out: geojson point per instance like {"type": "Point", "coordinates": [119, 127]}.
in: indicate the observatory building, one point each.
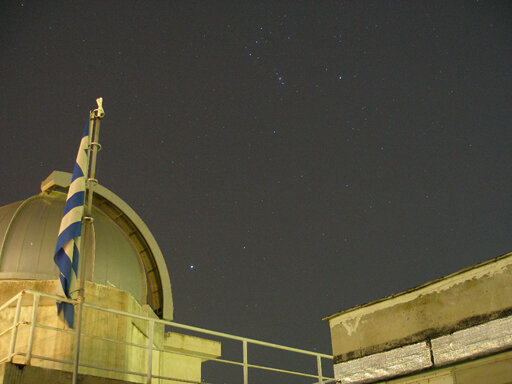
{"type": "Point", "coordinates": [127, 284]}
{"type": "Point", "coordinates": [457, 329]}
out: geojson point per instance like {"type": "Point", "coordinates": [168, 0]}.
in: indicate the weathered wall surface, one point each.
{"type": "Point", "coordinates": [494, 369]}
{"type": "Point", "coordinates": [461, 300]}
{"type": "Point", "coordinates": [21, 374]}
{"type": "Point", "coordinates": [95, 351]}
{"type": "Point", "coordinates": [455, 349]}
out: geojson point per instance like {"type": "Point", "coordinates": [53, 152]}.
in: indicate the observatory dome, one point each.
{"type": "Point", "coordinates": [127, 256]}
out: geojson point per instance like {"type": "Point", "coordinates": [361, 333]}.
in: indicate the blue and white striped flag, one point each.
{"type": "Point", "coordinates": [68, 243]}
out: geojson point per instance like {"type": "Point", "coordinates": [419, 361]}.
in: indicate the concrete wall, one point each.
{"type": "Point", "coordinates": [97, 352]}
{"type": "Point", "coordinates": [21, 374]}
{"type": "Point", "coordinates": [467, 298]}
{"type": "Point", "coordinates": [495, 369]}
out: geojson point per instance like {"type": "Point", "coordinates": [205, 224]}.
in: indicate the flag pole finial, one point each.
{"type": "Point", "coordinates": [99, 112]}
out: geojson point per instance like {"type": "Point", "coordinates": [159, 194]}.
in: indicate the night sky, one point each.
{"type": "Point", "coordinates": [292, 159]}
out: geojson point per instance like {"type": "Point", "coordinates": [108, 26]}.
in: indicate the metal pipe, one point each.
{"type": "Point", "coordinates": [180, 380]}
{"type": "Point", "coordinates": [51, 359]}
{"type": "Point", "coordinates": [55, 329]}
{"type": "Point", "coordinates": [32, 329]}
{"type": "Point", "coordinates": [47, 295]}
{"type": "Point", "coordinates": [76, 355]}
{"type": "Point", "coordinates": [151, 326]}
{"type": "Point", "coordinates": [80, 299]}
{"type": "Point", "coordinates": [11, 300]}
{"type": "Point", "coordinates": [263, 368]}
{"type": "Point", "coordinates": [110, 369]}
{"type": "Point", "coordinates": [208, 332]}
{"type": "Point", "coordinates": [94, 120]}
{"type": "Point", "coordinates": [7, 330]}
{"type": "Point", "coordinates": [319, 367]}
{"type": "Point", "coordinates": [182, 326]}
{"type": "Point", "coordinates": [91, 182]}
{"type": "Point", "coordinates": [246, 341]}
{"type": "Point", "coordinates": [246, 367]}
{"type": "Point", "coordinates": [14, 333]}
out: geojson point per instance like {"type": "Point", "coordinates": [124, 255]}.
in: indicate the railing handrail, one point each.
{"type": "Point", "coordinates": [151, 321]}
{"type": "Point", "coordinates": [178, 325]}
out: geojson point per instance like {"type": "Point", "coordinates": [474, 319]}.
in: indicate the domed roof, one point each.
{"type": "Point", "coordinates": [126, 253]}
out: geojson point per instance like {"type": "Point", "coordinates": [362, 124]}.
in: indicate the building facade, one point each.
{"type": "Point", "coordinates": [457, 329]}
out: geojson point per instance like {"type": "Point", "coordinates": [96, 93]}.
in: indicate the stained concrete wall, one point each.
{"type": "Point", "coordinates": [496, 369]}
{"type": "Point", "coordinates": [21, 374]}
{"type": "Point", "coordinates": [97, 352]}
{"type": "Point", "coordinates": [466, 298]}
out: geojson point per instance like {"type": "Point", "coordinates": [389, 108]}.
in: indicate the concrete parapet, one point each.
{"type": "Point", "coordinates": [464, 299]}
{"type": "Point", "coordinates": [20, 374]}
{"type": "Point", "coordinates": [109, 340]}
{"type": "Point", "coordinates": [443, 323]}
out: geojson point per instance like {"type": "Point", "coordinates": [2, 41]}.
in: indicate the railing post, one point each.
{"type": "Point", "coordinates": [14, 332]}
{"type": "Point", "coordinates": [151, 326]}
{"type": "Point", "coordinates": [32, 328]}
{"type": "Point", "coordinates": [78, 331]}
{"type": "Point", "coordinates": [246, 364]}
{"type": "Point", "coordinates": [319, 367]}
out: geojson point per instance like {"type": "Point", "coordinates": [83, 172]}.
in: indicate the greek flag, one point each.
{"type": "Point", "coordinates": [68, 243]}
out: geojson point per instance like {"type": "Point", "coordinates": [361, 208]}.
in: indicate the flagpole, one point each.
{"type": "Point", "coordinates": [95, 117]}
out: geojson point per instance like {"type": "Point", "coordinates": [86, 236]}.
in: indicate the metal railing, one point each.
{"type": "Point", "coordinates": [150, 348]}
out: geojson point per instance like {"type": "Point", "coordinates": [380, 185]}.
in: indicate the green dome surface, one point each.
{"type": "Point", "coordinates": [126, 254]}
